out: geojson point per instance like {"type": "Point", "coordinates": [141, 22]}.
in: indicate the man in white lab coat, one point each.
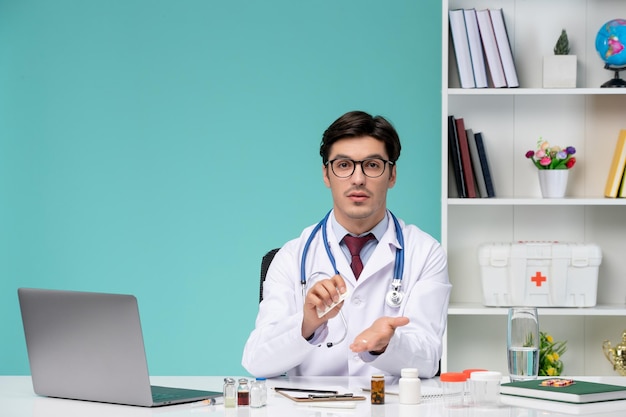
{"type": "Point", "coordinates": [373, 330]}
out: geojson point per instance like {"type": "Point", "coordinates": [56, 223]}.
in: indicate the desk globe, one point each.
{"type": "Point", "coordinates": [610, 42]}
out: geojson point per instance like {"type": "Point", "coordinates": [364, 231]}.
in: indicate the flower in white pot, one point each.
{"type": "Point", "coordinates": [559, 70]}
{"type": "Point", "coordinates": [553, 164]}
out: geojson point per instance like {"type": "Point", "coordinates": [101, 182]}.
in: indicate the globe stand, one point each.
{"type": "Point", "coordinates": [616, 82]}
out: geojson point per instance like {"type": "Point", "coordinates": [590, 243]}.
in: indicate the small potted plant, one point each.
{"type": "Point", "coordinates": [553, 164]}
{"type": "Point", "coordinates": [559, 70]}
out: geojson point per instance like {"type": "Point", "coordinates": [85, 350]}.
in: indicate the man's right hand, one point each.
{"type": "Point", "coordinates": [321, 295]}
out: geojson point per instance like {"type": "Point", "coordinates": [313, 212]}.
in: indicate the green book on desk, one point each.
{"type": "Point", "coordinates": [578, 392]}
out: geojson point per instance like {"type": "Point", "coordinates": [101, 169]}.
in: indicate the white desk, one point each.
{"type": "Point", "coordinates": [18, 400]}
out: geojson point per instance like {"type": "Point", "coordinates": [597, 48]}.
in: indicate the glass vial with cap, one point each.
{"type": "Point", "coordinates": [230, 393]}
{"type": "Point", "coordinates": [378, 389]}
{"type": "Point", "coordinates": [410, 386]}
{"type": "Point", "coordinates": [243, 392]}
{"type": "Point", "coordinates": [258, 393]}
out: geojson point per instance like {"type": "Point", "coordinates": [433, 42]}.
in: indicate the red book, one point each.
{"type": "Point", "coordinates": [466, 159]}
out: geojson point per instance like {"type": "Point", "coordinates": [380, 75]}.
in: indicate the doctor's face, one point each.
{"type": "Point", "coordinates": [359, 201]}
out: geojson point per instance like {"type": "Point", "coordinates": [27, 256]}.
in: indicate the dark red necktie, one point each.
{"type": "Point", "coordinates": [355, 244]}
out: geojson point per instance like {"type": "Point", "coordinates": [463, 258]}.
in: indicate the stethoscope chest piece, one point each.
{"type": "Point", "coordinates": [394, 296]}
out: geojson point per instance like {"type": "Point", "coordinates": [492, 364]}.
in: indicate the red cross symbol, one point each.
{"type": "Point", "coordinates": [538, 279]}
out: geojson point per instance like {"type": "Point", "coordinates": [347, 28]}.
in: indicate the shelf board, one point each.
{"type": "Point", "coordinates": [477, 309]}
{"type": "Point", "coordinates": [567, 201]}
{"type": "Point", "coordinates": [534, 91]}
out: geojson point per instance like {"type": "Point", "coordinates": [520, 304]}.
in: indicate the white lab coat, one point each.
{"type": "Point", "coordinates": [276, 345]}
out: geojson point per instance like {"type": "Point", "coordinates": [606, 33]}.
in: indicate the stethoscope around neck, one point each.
{"type": "Point", "coordinates": [394, 296]}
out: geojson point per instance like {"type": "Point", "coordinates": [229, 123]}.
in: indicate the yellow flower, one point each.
{"type": "Point", "coordinates": [555, 356]}
{"type": "Point", "coordinates": [551, 371]}
{"type": "Point", "coordinates": [549, 339]}
{"type": "Point", "coordinates": [550, 357]}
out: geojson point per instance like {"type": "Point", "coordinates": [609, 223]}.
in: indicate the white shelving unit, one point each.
{"type": "Point", "coordinates": [512, 120]}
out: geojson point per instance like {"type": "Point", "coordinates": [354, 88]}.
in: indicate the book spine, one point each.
{"type": "Point", "coordinates": [618, 164]}
{"type": "Point", "coordinates": [504, 47]}
{"type": "Point", "coordinates": [465, 158]}
{"type": "Point", "coordinates": [455, 157]}
{"type": "Point", "coordinates": [476, 48]}
{"type": "Point", "coordinates": [484, 163]}
{"type": "Point", "coordinates": [490, 47]}
{"type": "Point", "coordinates": [461, 48]}
{"type": "Point", "coordinates": [476, 165]}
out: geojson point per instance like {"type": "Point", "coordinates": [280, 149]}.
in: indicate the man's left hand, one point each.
{"type": "Point", "coordinates": [376, 338]}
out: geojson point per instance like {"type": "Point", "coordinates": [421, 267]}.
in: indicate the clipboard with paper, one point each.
{"type": "Point", "coordinates": [304, 395]}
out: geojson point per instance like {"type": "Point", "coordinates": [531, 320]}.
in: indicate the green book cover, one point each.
{"type": "Point", "coordinates": [577, 392]}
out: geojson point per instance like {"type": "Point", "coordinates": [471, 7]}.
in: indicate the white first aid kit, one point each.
{"type": "Point", "coordinates": [539, 274]}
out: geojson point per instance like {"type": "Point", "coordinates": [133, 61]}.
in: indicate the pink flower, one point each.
{"type": "Point", "coordinates": [545, 161]}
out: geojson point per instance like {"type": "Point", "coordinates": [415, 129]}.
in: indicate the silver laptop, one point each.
{"type": "Point", "coordinates": [89, 346]}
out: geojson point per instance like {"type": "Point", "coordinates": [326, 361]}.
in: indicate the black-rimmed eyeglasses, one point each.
{"type": "Point", "coordinates": [371, 167]}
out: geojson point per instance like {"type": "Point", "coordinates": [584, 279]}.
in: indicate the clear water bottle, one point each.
{"type": "Point", "coordinates": [230, 393]}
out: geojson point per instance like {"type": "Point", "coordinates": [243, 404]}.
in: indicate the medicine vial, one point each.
{"type": "Point", "coordinates": [258, 393]}
{"type": "Point", "coordinates": [263, 391]}
{"type": "Point", "coordinates": [230, 393]}
{"type": "Point", "coordinates": [410, 386]}
{"type": "Point", "coordinates": [243, 392]}
{"type": "Point", "coordinates": [378, 389]}
{"type": "Point", "coordinates": [255, 394]}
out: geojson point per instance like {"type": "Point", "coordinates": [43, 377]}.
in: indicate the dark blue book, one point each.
{"type": "Point", "coordinates": [484, 164]}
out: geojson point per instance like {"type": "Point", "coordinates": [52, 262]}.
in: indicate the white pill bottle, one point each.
{"type": "Point", "coordinates": [410, 386]}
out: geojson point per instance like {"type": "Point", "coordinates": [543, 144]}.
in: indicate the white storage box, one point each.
{"type": "Point", "coordinates": [540, 274]}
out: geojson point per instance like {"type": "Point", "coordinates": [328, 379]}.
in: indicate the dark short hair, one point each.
{"type": "Point", "coordinates": [357, 124]}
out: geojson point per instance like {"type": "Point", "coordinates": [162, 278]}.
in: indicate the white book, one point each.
{"type": "Point", "coordinates": [476, 48]}
{"type": "Point", "coordinates": [504, 47]}
{"type": "Point", "coordinates": [461, 48]}
{"type": "Point", "coordinates": [491, 48]}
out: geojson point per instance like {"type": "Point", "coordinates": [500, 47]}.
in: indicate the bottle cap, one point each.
{"type": "Point", "coordinates": [486, 376]}
{"type": "Point", "coordinates": [453, 377]}
{"type": "Point", "coordinates": [409, 372]}
{"type": "Point", "coordinates": [468, 372]}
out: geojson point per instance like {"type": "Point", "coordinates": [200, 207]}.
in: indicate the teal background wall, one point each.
{"type": "Point", "coordinates": [160, 148]}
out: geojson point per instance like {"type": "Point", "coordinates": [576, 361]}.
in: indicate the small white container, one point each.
{"type": "Point", "coordinates": [410, 386]}
{"type": "Point", "coordinates": [453, 384]}
{"type": "Point", "coordinates": [485, 388]}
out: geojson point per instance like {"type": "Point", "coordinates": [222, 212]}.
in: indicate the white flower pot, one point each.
{"type": "Point", "coordinates": [553, 182]}
{"type": "Point", "coordinates": [559, 71]}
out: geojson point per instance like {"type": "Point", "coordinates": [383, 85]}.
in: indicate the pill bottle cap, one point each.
{"type": "Point", "coordinates": [468, 372]}
{"type": "Point", "coordinates": [486, 376]}
{"type": "Point", "coordinates": [453, 377]}
{"type": "Point", "coordinates": [409, 372]}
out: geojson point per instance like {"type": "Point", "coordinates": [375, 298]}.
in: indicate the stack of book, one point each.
{"type": "Point", "coordinates": [616, 181]}
{"type": "Point", "coordinates": [468, 159]}
{"type": "Point", "coordinates": [481, 42]}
